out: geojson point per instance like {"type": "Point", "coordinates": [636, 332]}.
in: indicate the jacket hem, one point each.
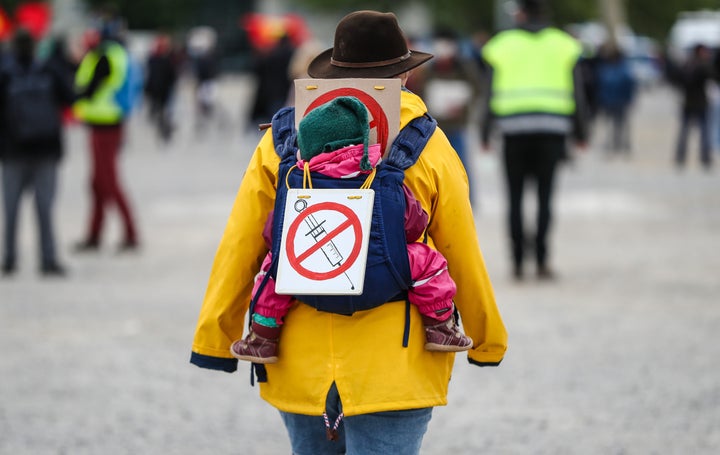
{"type": "Point", "coordinates": [350, 410]}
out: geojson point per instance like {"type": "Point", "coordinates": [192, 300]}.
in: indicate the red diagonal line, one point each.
{"type": "Point", "coordinates": [330, 235]}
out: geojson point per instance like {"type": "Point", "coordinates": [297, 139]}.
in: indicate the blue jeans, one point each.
{"type": "Point", "coordinates": [379, 433]}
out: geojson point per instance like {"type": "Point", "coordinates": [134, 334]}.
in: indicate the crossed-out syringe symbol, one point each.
{"type": "Point", "coordinates": [317, 231]}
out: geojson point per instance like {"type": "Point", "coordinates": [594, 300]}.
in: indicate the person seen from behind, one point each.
{"type": "Point", "coordinates": [536, 102]}
{"type": "Point", "coordinates": [205, 65]}
{"type": "Point", "coordinates": [347, 382]}
{"type": "Point", "coordinates": [161, 77]}
{"type": "Point", "coordinates": [32, 96]}
{"type": "Point", "coordinates": [271, 70]}
{"type": "Point", "coordinates": [616, 88]}
{"type": "Point", "coordinates": [692, 79]}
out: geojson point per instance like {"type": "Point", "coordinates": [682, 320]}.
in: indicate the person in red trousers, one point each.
{"type": "Point", "coordinates": [99, 79]}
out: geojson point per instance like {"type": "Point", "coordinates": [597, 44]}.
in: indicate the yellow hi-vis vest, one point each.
{"type": "Point", "coordinates": [532, 72]}
{"type": "Point", "coordinates": [101, 108]}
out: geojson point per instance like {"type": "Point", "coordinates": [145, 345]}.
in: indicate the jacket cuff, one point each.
{"type": "Point", "coordinates": [483, 364]}
{"type": "Point", "coordinates": [213, 363]}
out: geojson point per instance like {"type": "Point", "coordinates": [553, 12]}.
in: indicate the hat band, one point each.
{"type": "Point", "coordinates": [391, 61]}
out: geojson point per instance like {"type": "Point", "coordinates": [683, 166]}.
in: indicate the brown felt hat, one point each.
{"type": "Point", "coordinates": [368, 44]}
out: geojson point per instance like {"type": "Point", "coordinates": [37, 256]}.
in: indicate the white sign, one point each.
{"type": "Point", "coordinates": [324, 241]}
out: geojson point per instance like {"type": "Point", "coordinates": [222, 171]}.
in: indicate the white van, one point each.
{"type": "Point", "coordinates": [691, 28]}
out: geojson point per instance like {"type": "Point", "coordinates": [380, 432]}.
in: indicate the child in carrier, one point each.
{"type": "Point", "coordinates": [342, 151]}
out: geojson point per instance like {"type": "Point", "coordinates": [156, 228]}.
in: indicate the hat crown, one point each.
{"type": "Point", "coordinates": [368, 44]}
{"type": "Point", "coordinates": [369, 37]}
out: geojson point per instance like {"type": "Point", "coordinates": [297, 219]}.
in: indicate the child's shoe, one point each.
{"type": "Point", "coordinates": [260, 346]}
{"type": "Point", "coordinates": [445, 336]}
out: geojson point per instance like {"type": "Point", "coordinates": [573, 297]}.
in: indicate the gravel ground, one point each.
{"type": "Point", "coordinates": [616, 357]}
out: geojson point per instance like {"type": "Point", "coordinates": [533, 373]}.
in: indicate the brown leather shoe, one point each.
{"type": "Point", "coordinates": [445, 336]}
{"type": "Point", "coordinates": [257, 348]}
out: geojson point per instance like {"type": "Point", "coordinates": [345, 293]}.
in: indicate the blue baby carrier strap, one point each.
{"type": "Point", "coordinates": [411, 141]}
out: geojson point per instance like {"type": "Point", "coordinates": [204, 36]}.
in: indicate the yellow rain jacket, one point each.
{"type": "Point", "coordinates": [362, 353]}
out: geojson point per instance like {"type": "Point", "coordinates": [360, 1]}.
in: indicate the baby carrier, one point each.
{"type": "Point", "coordinates": [387, 273]}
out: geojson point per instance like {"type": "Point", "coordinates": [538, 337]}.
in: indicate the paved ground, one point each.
{"type": "Point", "coordinates": [618, 357]}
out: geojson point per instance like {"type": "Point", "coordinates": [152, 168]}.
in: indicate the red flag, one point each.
{"type": "Point", "coordinates": [5, 25]}
{"type": "Point", "coordinates": [34, 16]}
{"type": "Point", "coordinates": [264, 30]}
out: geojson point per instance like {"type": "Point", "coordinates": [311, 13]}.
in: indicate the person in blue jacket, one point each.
{"type": "Point", "coordinates": [615, 94]}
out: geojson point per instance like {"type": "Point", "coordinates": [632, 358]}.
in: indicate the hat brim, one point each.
{"type": "Point", "coordinates": [321, 68]}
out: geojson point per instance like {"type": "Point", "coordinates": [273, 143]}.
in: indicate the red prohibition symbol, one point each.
{"type": "Point", "coordinates": [379, 120]}
{"type": "Point", "coordinates": [295, 259]}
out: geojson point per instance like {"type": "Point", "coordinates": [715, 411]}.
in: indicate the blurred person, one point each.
{"type": "Point", "coordinates": [588, 70]}
{"type": "Point", "coordinates": [62, 61]}
{"type": "Point", "coordinates": [202, 42]}
{"type": "Point", "coordinates": [616, 88]}
{"type": "Point", "coordinates": [60, 58]}
{"type": "Point", "coordinates": [301, 58]}
{"type": "Point", "coordinates": [206, 73]}
{"type": "Point", "coordinates": [692, 79]}
{"type": "Point", "coordinates": [161, 78]}
{"type": "Point", "coordinates": [304, 53]}
{"type": "Point", "coordinates": [99, 78]}
{"type": "Point", "coordinates": [353, 370]}
{"type": "Point", "coordinates": [451, 89]}
{"type": "Point", "coordinates": [536, 102]}
{"type": "Point", "coordinates": [32, 95]}
{"type": "Point", "coordinates": [714, 104]}
{"type": "Point", "coordinates": [477, 42]}
{"type": "Point", "coordinates": [271, 71]}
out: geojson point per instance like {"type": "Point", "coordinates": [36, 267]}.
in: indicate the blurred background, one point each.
{"type": "Point", "coordinates": [645, 29]}
{"type": "Point", "coordinates": [243, 33]}
{"type": "Point", "coordinates": [227, 37]}
{"type": "Point", "coordinates": [617, 356]}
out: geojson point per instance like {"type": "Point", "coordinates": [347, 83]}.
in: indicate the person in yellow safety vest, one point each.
{"type": "Point", "coordinates": [536, 101]}
{"type": "Point", "coordinates": [350, 374]}
{"type": "Point", "coordinates": [98, 80]}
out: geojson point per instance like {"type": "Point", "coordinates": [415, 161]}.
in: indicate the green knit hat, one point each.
{"type": "Point", "coordinates": [331, 126]}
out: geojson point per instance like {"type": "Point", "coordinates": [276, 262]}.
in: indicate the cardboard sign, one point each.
{"type": "Point", "coordinates": [381, 97]}
{"type": "Point", "coordinates": [324, 243]}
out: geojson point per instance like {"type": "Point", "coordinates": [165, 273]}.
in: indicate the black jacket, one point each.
{"type": "Point", "coordinates": [50, 147]}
